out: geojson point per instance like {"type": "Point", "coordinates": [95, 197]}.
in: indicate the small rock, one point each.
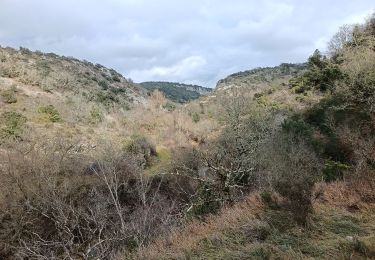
{"type": "Point", "coordinates": [349, 238]}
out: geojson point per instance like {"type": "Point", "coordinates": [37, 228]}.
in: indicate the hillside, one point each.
{"type": "Point", "coordinates": [258, 77]}
{"type": "Point", "coordinates": [303, 143]}
{"type": "Point", "coordinates": [177, 92]}
{"type": "Point", "coordinates": [268, 87]}
{"type": "Point", "coordinates": [275, 163]}
{"type": "Point", "coordinates": [52, 73]}
{"type": "Point", "coordinates": [342, 228]}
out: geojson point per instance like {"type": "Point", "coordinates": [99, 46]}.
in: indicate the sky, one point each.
{"type": "Point", "coordinates": [188, 41]}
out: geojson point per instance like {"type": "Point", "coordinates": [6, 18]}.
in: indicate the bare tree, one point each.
{"type": "Point", "coordinates": [340, 39]}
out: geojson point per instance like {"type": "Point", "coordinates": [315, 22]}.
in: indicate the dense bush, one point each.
{"type": "Point", "coordinates": [334, 170]}
{"type": "Point", "coordinates": [143, 149]}
{"type": "Point", "coordinates": [296, 169]}
{"type": "Point", "coordinates": [65, 204]}
{"type": "Point", "coordinates": [11, 125]}
{"type": "Point", "coordinates": [169, 106]}
{"type": "Point", "coordinates": [195, 117]}
{"type": "Point", "coordinates": [51, 112]}
{"type": "Point", "coordinates": [9, 95]}
{"type": "Point", "coordinates": [228, 167]}
{"type": "Point", "coordinates": [103, 84]}
{"type": "Point", "coordinates": [346, 113]}
{"type": "Point", "coordinates": [111, 97]}
{"type": "Point", "coordinates": [96, 116]}
{"type": "Point", "coordinates": [322, 74]}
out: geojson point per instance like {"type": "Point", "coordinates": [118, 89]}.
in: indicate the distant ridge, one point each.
{"type": "Point", "coordinates": [177, 92]}
{"type": "Point", "coordinates": [258, 77]}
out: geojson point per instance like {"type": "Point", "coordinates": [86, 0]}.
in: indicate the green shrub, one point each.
{"type": "Point", "coordinates": [96, 116]}
{"type": "Point", "coordinates": [196, 117]}
{"type": "Point", "coordinates": [117, 90]}
{"type": "Point", "coordinates": [362, 89]}
{"type": "Point", "coordinates": [298, 169]}
{"type": "Point", "coordinates": [107, 98]}
{"type": "Point", "coordinates": [258, 95]}
{"type": "Point", "coordinates": [206, 201]}
{"type": "Point", "coordinates": [297, 126]}
{"type": "Point", "coordinates": [169, 106]}
{"type": "Point", "coordinates": [116, 78]}
{"type": "Point", "coordinates": [103, 84]}
{"type": "Point", "coordinates": [299, 85]}
{"type": "Point", "coordinates": [334, 170]}
{"type": "Point", "coordinates": [269, 200]}
{"type": "Point", "coordinates": [9, 95]}
{"type": "Point", "coordinates": [322, 74]}
{"type": "Point", "coordinates": [143, 149]}
{"type": "Point", "coordinates": [51, 112]}
{"type": "Point", "coordinates": [11, 125]}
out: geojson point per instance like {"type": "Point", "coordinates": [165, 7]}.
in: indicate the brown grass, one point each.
{"type": "Point", "coordinates": [356, 193]}
{"type": "Point", "coordinates": [188, 239]}
{"type": "Point", "coordinates": [336, 201]}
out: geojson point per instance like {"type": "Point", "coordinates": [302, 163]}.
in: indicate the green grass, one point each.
{"type": "Point", "coordinates": [161, 162]}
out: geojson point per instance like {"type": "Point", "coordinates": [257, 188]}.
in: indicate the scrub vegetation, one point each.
{"type": "Point", "coordinates": [275, 163]}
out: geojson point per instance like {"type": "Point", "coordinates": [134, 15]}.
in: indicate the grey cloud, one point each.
{"type": "Point", "coordinates": [196, 41]}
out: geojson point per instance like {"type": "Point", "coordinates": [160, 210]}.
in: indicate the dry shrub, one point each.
{"type": "Point", "coordinates": [352, 194]}
{"type": "Point", "coordinates": [143, 149]}
{"type": "Point", "coordinates": [362, 142]}
{"type": "Point", "coordinates": [181, 241]}
{"type": "Point", "coordinates": [61, 203]}
{"type": "Point", "coordinates": [294, 170]}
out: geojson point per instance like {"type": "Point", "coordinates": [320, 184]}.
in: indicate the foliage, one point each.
{"type": "Point", "coordinates": [206, 201]}
{"type": "Point", "coordinates": [322, 74]}
{"type": "Point", "coordinates": [9, 95]}
{"type": "Point", "coordinates": [169, 106]}
{"type": "Point", "coordinates": [334, 170]}
{"type": "Point", "coordinates": [195, 116]}
{"type": "Point", "coordinates": [297, 126]}
{"type": "Point", "coordinates": [11, 125]}
{"type": "Point", "coordinates": [51, 112]}
{"type": "Point", "coordinates": [103, 84]}
{"type": "Point", "coordinates": [96, 116]}
{"type": "Point", "coordinates": [346, 114]}
{"type": "Point", "coordinates": [227, 167]}
{"type": "Point", "coordinates": [107, 98]}
{"type": "Point", "coordinates": [143, 149]}
{"type": "Point", "coordinates": [297, 169]}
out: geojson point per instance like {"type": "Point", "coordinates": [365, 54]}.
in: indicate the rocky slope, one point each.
{"type": "Point", "coordinates": [51, 73]}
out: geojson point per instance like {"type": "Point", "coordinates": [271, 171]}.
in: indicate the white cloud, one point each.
{"type": "Point", "coordinates": [197, 41]}
{"type": "Point", "coordinates": [182, 69]}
